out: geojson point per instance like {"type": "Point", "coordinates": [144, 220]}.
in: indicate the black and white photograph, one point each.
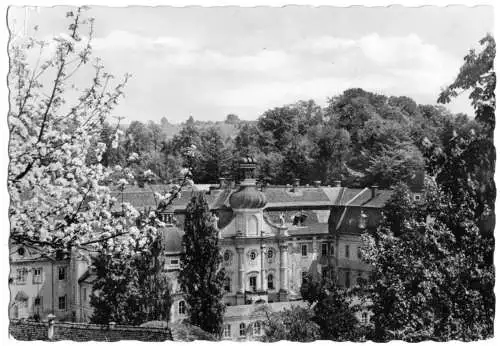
{"type": "Point", "coordinates": [249, 173]}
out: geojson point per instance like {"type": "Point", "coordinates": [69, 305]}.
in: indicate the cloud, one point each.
{"type": "Point", "coordinates": [408, 49]}
{"type": "Point", "coordinates": [324, 44]}
{"type": "Point", "coordinates": [256, 79]}
{"type": "Point", "coordinates": [124, 40]}
{"type": "Point", "coordinates": [273, 94]}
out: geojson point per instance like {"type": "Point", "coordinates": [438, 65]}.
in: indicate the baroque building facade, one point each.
{"type": "Point", "coordinates": [271, 238]}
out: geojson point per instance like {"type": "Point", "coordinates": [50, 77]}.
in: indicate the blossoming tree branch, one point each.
{"type": "Point", "coordinates": [59, 198]}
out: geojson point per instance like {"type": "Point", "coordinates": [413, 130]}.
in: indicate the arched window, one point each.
{"type": "Point", "coordinates": [270, 282]}
{"type": "Point", "coordinates": [227, 284]}
{"type": "Point", "coordinates": [243, 329]}
{"type": "Point", "coordinates": [182, 307]}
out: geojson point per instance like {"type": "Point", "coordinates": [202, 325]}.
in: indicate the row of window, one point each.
{"type": "Point", "coordinates": [324, 250]}
{"type": "Point", "coordinates": [22, 275]}
{"type": "Point", "coordinates": [257, 329]}
{"type": "Point", "coordinates": [38, 302]}
{"type": "Point", "coordinates": [347, 277]}
{"type": "Point", "coordinates": [304, 251]}
{"type": "Point", "coordinates": [252, 283]}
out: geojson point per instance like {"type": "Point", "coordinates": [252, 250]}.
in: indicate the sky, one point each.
{"type": "Point", "coordinates": [209, 62]}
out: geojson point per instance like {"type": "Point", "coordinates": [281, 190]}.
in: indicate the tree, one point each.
{"type": "Point", "coordinates": [214, 156]}
{"type": "Point", "coordinates": [431, 280]}
{"type": "Point", "coordinates": [469, 160]}
{"type": "Point", "coordinates": [334, 147]}
{"type": "Point", "coordinates": [333, 309]}
{"type": "Point", "coordinates": [50, 135]}
{"type": "Point", "coordinates": [281, 123]}
{"type": "Point", "coordinates": [232, 119]}
{"type": "Point", "coordinates": [131, 289]}
{"type": "Point", "coordinates": [201, 276]}
{"type": "Point", "coordinates": [294, 324]}
{"type": "Point", "coordinates": [58, 199]}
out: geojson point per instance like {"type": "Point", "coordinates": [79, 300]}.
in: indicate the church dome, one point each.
{"type": "Point", "coordinates": [171, 239]}
{"type": "Point", "coordinates": [248, 197]}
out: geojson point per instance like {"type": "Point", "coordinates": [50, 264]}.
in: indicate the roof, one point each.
{"type": "Point", "coordinates": [315, 228]}
{"type": "Point", "coordinates": [184, 331]}
{"type": "Point", "coordinates": [88, 277]}
{"type": "Point", "coordinates": [257, 309]}
{"type": "Point", "coordinates": [301, 196]}
{"type": "Point", "coordinates": [278, 197]}
{"type": "Point", "coordinates": [363, 198]}
{"type": "Point", "coordinates": [144, 197]}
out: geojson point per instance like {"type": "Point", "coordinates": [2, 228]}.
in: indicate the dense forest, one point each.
{"type": "Point", "coordinates": [360, 137]}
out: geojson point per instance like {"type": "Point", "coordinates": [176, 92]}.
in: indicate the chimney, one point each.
{"type": "Point", "coordinates": [317, 183]}
{"type": "Point", "coordinates": [296, 182]}
{"type": "Point", "coordinates": [374, 191]}
{"type": "Point", "coordinates": [337, 183]}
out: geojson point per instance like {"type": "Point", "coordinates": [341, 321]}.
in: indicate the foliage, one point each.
{"type": "Point", "coordinates": [201, 276]}
{"type": "Point", "coordinates": [294, 324]}
{"type": "Point", "coordinates": [466, 166]}
{"type": "Point", "coordinates": [477, 76]}
{"type": "Point", "coordinates": [431, 278]}
{"type": "Point", "coordinates": [433, 272]}
{"type": "Point", "coordinates": [131, 289]}
{"type": "Point", "coordinates": [333, 309]}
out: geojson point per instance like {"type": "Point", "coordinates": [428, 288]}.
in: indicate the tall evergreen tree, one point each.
{"type": "Point", "coordinates": [201, 275]}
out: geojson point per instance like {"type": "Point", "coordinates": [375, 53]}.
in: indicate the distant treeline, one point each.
{"type": "Point", "coordinates": [360, 138]}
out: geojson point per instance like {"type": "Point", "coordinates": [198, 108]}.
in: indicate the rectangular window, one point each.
{"type": "Point", "coordinates": [37, 275]}
{"type": "Point", "coordinates": [324, 249]}
{"type": "Point", "coordinates": [270, 282]}
{"type": "Point", "coordinates": [324, 273]}
{"type": "Point", "coordinates": [227, 284]}
{"type": "Point", "coordinates": [304, 250]}
{"type": "Point", "coordinates": [243, 329]}
{"type": "Point", "coordinates": [37, 301]}
{"type": "Point", "coordinates": [174, 261]}
{"type": "Point", "coordinates": [227, 331]}
{"type": "Point", "coordinates": [62, 303]}
{"type": "Point", "coordinates": [85, 294]}
{"type": "Point", "coordinates": [62, 273]}
{"type": "Point", "coordinates": [253, 283]}
{"type": "Point", "coordinates": [347, 279]}
{"type": "Point", "coordinates": [359, 253]}
{"type": "Point", "coordinates": [347, 251]}
{"type": "Point", "coordinates": [364, 318]}
{"type": "Point", "coordinates": [22, 274]}
{"type": "Point", "coordinates": [304, 277]}
{"type": "Point", "coordinates": [257, 329]}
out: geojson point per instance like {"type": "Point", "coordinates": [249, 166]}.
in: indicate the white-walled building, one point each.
{"type": "Point", "coordinates": [270, 238]}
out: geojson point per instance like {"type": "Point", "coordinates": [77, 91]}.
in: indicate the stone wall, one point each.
{"type": "Point", "coordinates": [28, 330]}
